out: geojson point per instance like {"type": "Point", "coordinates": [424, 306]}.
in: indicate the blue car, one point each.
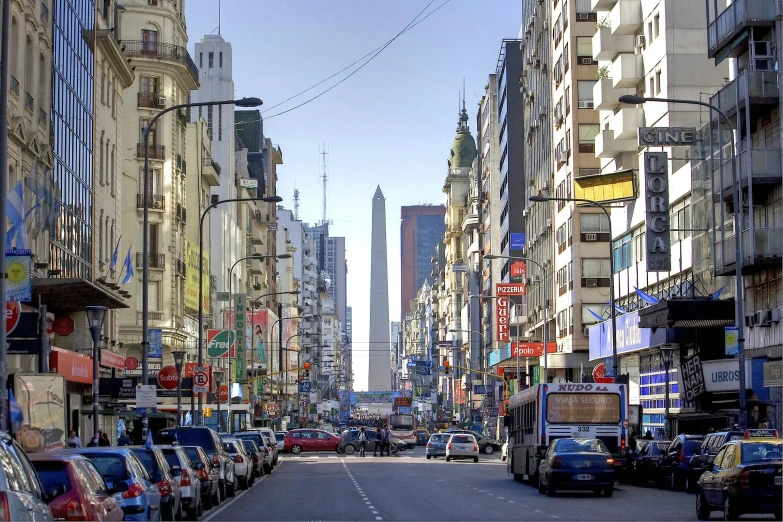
{"type": "Point", "coordinates": [125, 475]}
{"type": "Point", "coordinates": [436, 446]}
{"type": "Point", "coordinates": [583, 464]}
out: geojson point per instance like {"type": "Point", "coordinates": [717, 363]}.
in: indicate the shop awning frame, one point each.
{"type": "Point", "coordinates": [69, 295]}
{"type": "Point", "coordinates": [688, 313]}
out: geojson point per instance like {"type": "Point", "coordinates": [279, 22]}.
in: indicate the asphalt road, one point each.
{"type": "Point", "coordinates": [327, 486]}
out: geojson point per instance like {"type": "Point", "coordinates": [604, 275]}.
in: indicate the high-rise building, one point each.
{"type": "Point", "coordinates": [332, 264]}
{"type": "Point", "coordinates": [421, 228]}
{"type": "Point", "coordinates": [380, 370]}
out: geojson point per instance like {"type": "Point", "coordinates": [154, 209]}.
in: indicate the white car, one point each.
{"type": "Point", "coordinates": [28, 503]}
{"type": "Point", "coordinates": [280, 436]}
{"type": "Point", "coordinates": [187, 479]}
{"type": "Point", "coordinates": [243, 464]}
{"type": "Point", "coordinates": [462, 446]}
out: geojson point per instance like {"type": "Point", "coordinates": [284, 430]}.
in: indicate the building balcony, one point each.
{"type": "Point", "coordinates": [626, 17]}
{"type": "Point", "coordinates": [151, 100]}
{"type": "Point", "coordinates": [761, 247]}
{"type": "Point", "coordinates": [607, 146]}
{"type": "Point", "coordinates": [155, 317]}
{"type": "Point", "coordinates": [606, 45]}
{"type": "Point", "coordinates": [626, 122]}
{"type": "Point", "coordinates": [210, 171]}
{"type": "Point", "coordinates": [181, 213]}
{"type": "Point", "coordinates": [162, 51]}
{"type": "Point", "coordinates": [755, 166]}
{"type": "Point", "coordinates": [750, 88]}
{"type": "Point", "coordinates": [14, 86]}
{"type": "Point", "coordinates": [627, 70]}
{"type": "Point", "coordinates": [154, 202]}
{"type": "Point", "coordinates": [28, 102]}
{"type": "Point", "coordinates": [737, 16]}
{"type": "Point", "coordinates": [180, 163]}
{"type": "Point", "coordinates": [605, 94]}
{"type": "Point", "coordinates": [154, 260]}
{"type": "Point", "coordinates": [42, 117]}
{"type": "Point", "coordinates": [156, 152]}
{"type": "Point", "coordinates": [179, 267]}
{"type": "Point", "coordinates": [602, 5]}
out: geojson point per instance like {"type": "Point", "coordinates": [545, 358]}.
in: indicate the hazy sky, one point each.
{"type": "Point", "coordinates": [391, 124]}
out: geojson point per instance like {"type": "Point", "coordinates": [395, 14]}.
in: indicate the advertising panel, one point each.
{"type": "Point", "coordinates": [692, 378]}
{"type": "Point", "coordinates": [42, 401]}
{"type": "Point", "coordinates": [656, 181]}
{"type": "Point", "coordinates": [18, 286]}
{"type": "Point", "coordinates": [75, 367]}
{"type": "Point", "coordinates": [501, 324]}
{"type": "Point", "coordinates": [219, 342]}
{"type": "Point", "coordinates": [613, 187]}
{"type": "Point", "coordinates": [583, 408]}
{"type": "Point", "coordinates": [191, 276]}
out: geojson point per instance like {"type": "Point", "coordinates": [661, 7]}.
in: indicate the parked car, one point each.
{"type": "Point", "coordinates": [208, 475]}
{"type": "Point", "coordinates": [170, 493]}
{"type": "Point", "coordinates": [485, 444]}
{"type": "Point", "coordinates": [297, 441]}
{"type": "Point", "coordinates": [243, 464]}
{"type": "Point", "coordinates": [647, 464]}
{"type": "Point", "coordinates": [349, 442]}
{"type": "Point", "coordinates": [436, 446]}
{"type": "Point", "coordinates": [78, 491]}
{"type": "Point", "coordinates": [744, 477]}
{"type": "Point", "coordinates": [256, 456]}
{"type": "Point", "coordinates": [676, 462]}
{"type": "Point", "coordinates": [22, 496]}
{"type": "Point", "coordinates": [462, 446]}
{"type": "Point", "coordinates": [210, 442]}
{"type": "Point", "coordinates": [583, 464]}
{"type": "Point", "coordinates": [133, 486]}
{"type": "Point", "coordinates": [264, 438]}
{"type": "Point", "coordinates": [280, 439]}
{"type": "Point", "coordinates": [710, 446]}
{"type": "Point", "coordinates": [185, 475]}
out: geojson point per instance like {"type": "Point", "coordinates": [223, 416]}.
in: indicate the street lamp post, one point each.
{"type": "Point", "coordinates": [613, 310]}
{"type": "Point", "coordinates": [739, 311]}
{"type": "Point", "coordinates": [268, 199]}
{"type": "Point", "coordinates": [145, 272]}
{"type": "Point", "coordinates": [218, 376]}
{"type": "Point", "coordinates": [666, 357]}
{"type": "Point", "coordinates": [179, 358]}
{"type": "Point", "coordinates": [95, 317]}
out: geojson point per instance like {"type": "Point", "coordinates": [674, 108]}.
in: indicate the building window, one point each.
{"type": "Point", "coordinates": [567, 97]}
{"type": "Point", "coordinates": [657, 25]}
{"type": "Point", "coordinates": [220, 123]}
{"type": "Point", "coordinates": [584, 48]}
{"type": "Point", "coordinates": [585, 93]}
{"type": "Point", "coordinates": [587, 134]}
{"type": "Point", "coordinates": [594, 228]}
{"type": "Point", "coordinates": [622, 253]}
{"type": "Point", "coordinates": [100, 162]}
{"type": "Point", "coordinates": [658, 82]}
{"type": "Point", "coordinates": [220, 56]}
{"type": "Point", "coordinates": [209, 121]}
{"type": "Point", "coordinates": [680, 219]}
{"type": "Point", "coordinates": [595, 272]}
{"type": "Point", "coordinates": [201, 60]}
{"type": "Point", "coordinates": [601, 310]}
{"type": "Point", "coordinates": [113, 171]}
{"type": "Point", "coordinates": [149, 41]}
{"type": "Point", "coordinates": [211, 60]}
{"type": "Point", "coordinates": [566, 58]}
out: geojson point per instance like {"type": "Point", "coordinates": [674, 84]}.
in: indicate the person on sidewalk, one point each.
{"type": "Point", "coordinates": [123, 439]}
{"type": "Point", "coordinates": [362, 438]}
{"type": "Point", "coordinates": [378, 442]}
{"type": "Point", "coordinates": [73, 440]}
{"type": "Point", "coordinates": [386, 442]}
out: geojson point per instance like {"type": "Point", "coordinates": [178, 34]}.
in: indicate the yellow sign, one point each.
{"type": "Point", "coordinates": [191, 277]}
{"type": "Point", "coordinates": [613, 187]}
{"type": "Point", "coordinates": [583, 408]}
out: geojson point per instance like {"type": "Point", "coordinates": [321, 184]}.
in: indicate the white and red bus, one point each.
{"type": "Point", "coordinates": [545, 412]}
{"type": "Point", "coordinates": [403, 426]}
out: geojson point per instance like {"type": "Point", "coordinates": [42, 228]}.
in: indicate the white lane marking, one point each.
{"type": "Point", "coordinates": [359, 490]}
{"type": "Point", "coordinates": [236, 497]}
{"type": "Point", "coordinates": [501, 498]}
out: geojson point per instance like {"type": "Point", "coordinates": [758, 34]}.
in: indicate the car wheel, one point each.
{"type": "Point", "coordinates": [489, 449]}
{"type": "Point", "coordinates": [541, 487]}
{"type": "Point", "coordinates": [448, 458]}
{"type": "Point", "coordinates": [550, 490]}
{"type": "Point", "coordinates": [729, 510]}
{"type": "Point", "coordinates": [167, 512]}
{"type": "Point", "coordinates": [207, 503]}
{"type": "Point", "coordinates": [214, 499]}
{"type": "Point", "coordinates": [429, 457]}
{"type": "Point", "coordinates": [349, 449]}
{"type": "Point", "coordinates": [689, 484]}
{"type": "Point", "coordinates": [223, 491]}
{"type": "Point", "coordinates": [243, 483]}
{"type": "Point", "coordinates": [296, 449]}
{"type": "Point", "coordinates": [702, 508]}
{"type": "Point", "coordinates": [609, 491]}
{"type": "Point", "coordinates": [178, 514]}
{"type": "Point", "coordinates": [673, 481]}
{"type": "Point", "coordinates": [267, 469]}
{"type": "Point", "coordinates": [231, 489]}
{"type": "Point", "coordinates": [192, 514]}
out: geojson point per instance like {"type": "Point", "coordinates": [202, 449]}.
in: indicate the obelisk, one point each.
{"type": "Point", "coordinates": [379, 375]}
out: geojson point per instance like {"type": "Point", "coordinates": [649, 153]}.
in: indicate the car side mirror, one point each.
{"type": "Point", "coordinates": [199, 466]}
{"type": "Point", "coordinates": [119, 487]}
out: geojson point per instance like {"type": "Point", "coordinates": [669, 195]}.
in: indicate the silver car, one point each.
{"type": "Point", "coordinates": [21, 491]}
{"type": "Point", "coordinates": [462, 446]}
{"type": "Point", "coordinates": [243, 464]}
{"type": "Point", "coordinates": [188, 480]}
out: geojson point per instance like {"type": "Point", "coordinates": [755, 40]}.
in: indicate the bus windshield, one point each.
{"type": "Point", "coordinates": [583, 408]}
{"type": "Point", "coordinates": [400, 422]}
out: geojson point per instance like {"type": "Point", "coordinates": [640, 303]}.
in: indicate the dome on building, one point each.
{"type": "Point", "coordinates": [463, 150]}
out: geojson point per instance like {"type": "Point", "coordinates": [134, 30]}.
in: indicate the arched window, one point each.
{"type": "Point", "coordinates": [100, 162]}
{"type": "Point", "coordinates": [112, 170]}
{"type": "Point", "coordinates": [43, 81]}
{"type": "Point", "coordinates": [14, 42]}
{"type": "Point", "coordinates": [29, 81]}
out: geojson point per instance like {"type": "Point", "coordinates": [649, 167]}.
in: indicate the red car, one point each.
{"type": "Point", "coordinates": [82, 493]}
{"type": "Point", "coordinates": [297, 441]}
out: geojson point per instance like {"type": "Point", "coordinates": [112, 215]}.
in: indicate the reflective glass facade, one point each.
{"type": "Point", "coordinates": [429, 232]}
{"type": "Point", "coordinates": [72, 136]}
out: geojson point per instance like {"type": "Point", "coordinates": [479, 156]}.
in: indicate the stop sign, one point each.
{"type": "Point", "coordinates": [167, 377]}
{"type": "Point", "coordinates": [223, 393]}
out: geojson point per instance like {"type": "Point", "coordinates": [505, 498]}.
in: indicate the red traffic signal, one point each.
{"type": "Point", "coordinates": [307, 366]}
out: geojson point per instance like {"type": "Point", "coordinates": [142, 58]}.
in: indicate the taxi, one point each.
{"type": "Point", "coordinates": [744, 477]}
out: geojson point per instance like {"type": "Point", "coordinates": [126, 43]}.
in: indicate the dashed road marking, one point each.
{"type": "Point", "coordinates": [359, 490]}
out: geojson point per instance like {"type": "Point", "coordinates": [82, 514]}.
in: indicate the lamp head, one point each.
{"type": "Point", "coordinates": [179, 356]}
{"type": "Point", "coordinates": [537, 199]}
{"type": "Point", "coordinates": [248, 102]}
{"type": "Point", "coordinates": [95, 316]}
{"type": "Point", "coordinates": [490, 256]}
{"type": "Point", "coordinates": [632, 99]}
{"type": "Point", "coordinates": [218, 376]}
{"type": "Point", "coordinates": [271, 199]}
{"type": "Point", "coordinates": [284, 256]}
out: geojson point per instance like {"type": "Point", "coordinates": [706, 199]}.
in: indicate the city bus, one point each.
{"type": "Point", "coordinates": [545, 412]}
{"type": "Point", "coordinates": [403, 426]}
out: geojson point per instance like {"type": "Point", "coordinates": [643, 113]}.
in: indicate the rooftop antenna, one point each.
{"type": "Point", "coordinates": [296, 204]}
{"type": "Point", "coordinates": [218, 16]}
{"type": "Point", "coordinates": [324, 178]}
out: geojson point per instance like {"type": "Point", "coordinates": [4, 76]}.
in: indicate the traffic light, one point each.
{"type": "Point", "coordinates": [307, 371]}
{"type": "Point", "coordinates": [207, 413]}
{"type": "Point", "coordinates": [446, 368]}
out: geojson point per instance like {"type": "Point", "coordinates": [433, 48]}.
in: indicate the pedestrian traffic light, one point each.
{"type": "Point", "coordinates": [307, 371]}
{"type": "Point", "coordinates": [446, 368]}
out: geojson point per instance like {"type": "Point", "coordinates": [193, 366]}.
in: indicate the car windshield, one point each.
{"type": "Point", "coordinates": [580, 446]}
{"type": "Point", "coordinates": [761, 452]}
{"type": "Point", "coordinates": [147, 459]}
{"type": "Point", "coordinates": [185, 437]}
{"type": "Point", "coordinates": [439, 437]}
{"type": "Point", "coordinates": [53, 474]}
{"type": "Point", "coordinates": [249, 446]}
{"type": "Point", "coordinates": [280, 436]}
{"type": "Point", "coordinates": [461, 439]}
{"type": "Point", "coordinates": [231, 447]}
{"type": "Point", "coordinates": [692, 446]}
{"type": "Point", "coordinates": [171, 457]}
{"type": "Point", "coordinates": [112, 468]}
{"type": "Point", "coordinates": [658, 448]}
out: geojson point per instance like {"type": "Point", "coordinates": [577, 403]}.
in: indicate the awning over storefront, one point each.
{"type": "Point", "coordinates": [72, 295]}
{"type": "Point", "coordinates": [688, 313]}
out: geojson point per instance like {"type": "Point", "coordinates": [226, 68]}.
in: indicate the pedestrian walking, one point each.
{"type": "Point", "coordinates": [386, 442]}
{"type": "Point", "coordinates": [378, 442]}
{"type": "Point", "coordinates": [104, 440]}
{"type": "Point", "coordinates": [123, 439]}
{"type": "Point", "coordinates": [362, 438]}
{"type": "Point", "coordinates": [73, 440]}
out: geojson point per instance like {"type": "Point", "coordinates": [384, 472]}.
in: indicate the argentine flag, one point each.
{"type": "Point", "coordinates": [15, 212]}
{"type": "Point", "coordinates": [128, 269]}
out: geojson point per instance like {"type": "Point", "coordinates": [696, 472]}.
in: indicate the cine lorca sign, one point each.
{"type": "Point", "coordinates": [656, 182]}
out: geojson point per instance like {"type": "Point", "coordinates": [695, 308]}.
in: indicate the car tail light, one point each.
{"type": "Point", "coordinates": [134, 490]}
{"type": "Point", "coordinates": [610, 462]}
{"type": "Point", "coordinates": [448, 446]}
{"type": "Point", "coordinates": [165, 488]}
{"type": "Point", "coordinates": [202, 474]}
{"type": "Point", "coordinates": [743, 480]}
{"type": "Point", "coordinates": [681, 456]}
{"type": "Point", "coordinates": [266, 451]}
{"type": "Point", "coordinates": [622, 443]}
{"type": "Point", "coordinates": [74, 510]}
{"type": "Point", "coordinates": [216, 460]}
{"type": "Point", "coordinates": [557, 462]}
{"type": "Point", "coordinates": [185, 481]}
{"type": "Point", "coordinates": [5, 510]}
{"type": "Point", "coordinates": [429, 444]}
{"type": "Point", "coordinates": [475, 447]}
{"type": "Point", "coordinates": [238, 459]}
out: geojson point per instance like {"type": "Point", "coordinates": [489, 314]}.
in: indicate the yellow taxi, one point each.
{"type": "Point", "coordinates": [744, 477]}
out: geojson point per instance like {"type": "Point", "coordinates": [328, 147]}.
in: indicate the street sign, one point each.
{"type": "Point", "coordinates": [146, 397]}
{"type": "Point", "coordinates": [272, 227]}
{"type": "Point", "coordinates": [223, 296]}
{"type": "Point", "coordinates": [666, 136]}
{"type": "Point", "coordinates": [304, 387]}
{"type": "Point", "coordinates": [598, 375]}
{"type": "Point", "coordinates": [459, 267]}
{"type": "Point", "coordinates": [479, 389]}
{"type": "Point", "coordinates": [248, 183]}
{"type": "Point", "coordinates": [200, 379]}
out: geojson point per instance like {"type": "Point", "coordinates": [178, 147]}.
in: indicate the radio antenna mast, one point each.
{"type": "Point", "coordinates": [324, 178]}
{"type": "Point", "coordinates": [296, 204]}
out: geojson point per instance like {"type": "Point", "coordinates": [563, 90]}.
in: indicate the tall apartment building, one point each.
{"type": "Point", "coordinates": [581, 267]}
{"type": "Point", "coordinates": [421, 228]}
{"type": "Point", "coordinates": [537, 125]}
{"type": "Point", "coordinates": [330, 251]}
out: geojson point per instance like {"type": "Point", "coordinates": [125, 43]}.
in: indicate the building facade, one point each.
{"type": "Point", "coordinates": [421, 228]}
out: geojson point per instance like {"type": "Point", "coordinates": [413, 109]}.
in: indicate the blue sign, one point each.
{"type": "Point", "coordinates": [480, 389]}
{"type": "Point", "coordinates": [731, 336]}
{"type": "Point", "coordinates": [630, 337]}
{"type": "Point", "coordinates": [517, 241]}
{"type": "Point", "coordinates": [609, 367]}
{"type": "Point", "coordinates": [304, 387]}
{"type": "Point", "coordinates": [155, 350]}
{"type": "Point", "coordinates": [146, 411]}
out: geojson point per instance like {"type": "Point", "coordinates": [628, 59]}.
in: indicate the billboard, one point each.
{"type": "Point", "coordinates": [613, 187]}
{"type": "Point", "coordinates": [219, 342]}
{"type": "Point", "coordinates": [191, 276]}
{"type": "Point", "coordinates": [41, 398]}
{"type": "Point", "coordinates": [517, 241]}
{"type": "Point", "coordinates": [656, 184]}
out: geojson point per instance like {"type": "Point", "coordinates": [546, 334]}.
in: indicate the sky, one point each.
{"type": "Point", "coordinates": [390, 124]}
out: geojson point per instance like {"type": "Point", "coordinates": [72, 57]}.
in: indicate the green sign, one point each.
{"type": "Point", "coordinates": [223, 296]}
{"type": "Point", "coordinates": [536, 375]}
{"type": "Point", "coordinates": [259, 386]}
{"type": "Point", "coordinates": [219, 343]}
